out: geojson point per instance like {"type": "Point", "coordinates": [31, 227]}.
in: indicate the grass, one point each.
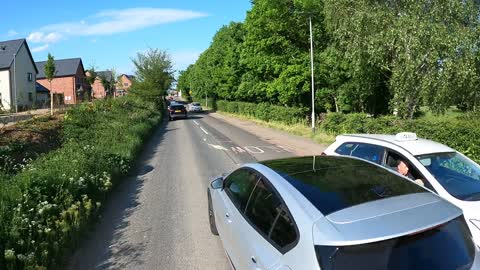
{"type": "Point", "coordinates": [452, 112]}
{"type": "Point", "coordinates": [300, 129]}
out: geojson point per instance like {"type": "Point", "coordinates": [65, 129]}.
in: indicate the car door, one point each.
{"type": "Point", "coordinates": [269, 229]}
{"type": "Point", "coordinates": [237, 190]}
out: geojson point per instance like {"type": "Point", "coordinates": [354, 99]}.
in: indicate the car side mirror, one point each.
{"type": "Point", "coordinates": [217, 183]}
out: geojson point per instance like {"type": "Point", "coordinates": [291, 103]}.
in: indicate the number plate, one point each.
{"type": "Point", "coordinates": [178, 111]}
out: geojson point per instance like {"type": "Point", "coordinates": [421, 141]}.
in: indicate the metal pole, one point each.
{"type": "Point", "coordinates": [311, 67]}
{"type": "Point", "coordinates": [15, 80]}
{"type": "Point", "coordinates": [206, 99]}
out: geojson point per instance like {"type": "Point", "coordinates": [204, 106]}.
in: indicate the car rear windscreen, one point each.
{"type": "Point", "coordinates": [335, 183]}
{"type": "Point", "coordinates": [446, 247]}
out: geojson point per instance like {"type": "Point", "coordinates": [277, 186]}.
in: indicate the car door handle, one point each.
{"type": "Point", "coordinates": [254, 260]}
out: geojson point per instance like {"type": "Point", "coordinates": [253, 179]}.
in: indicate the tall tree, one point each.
{"type": "Point", "coordinates": [154, 73]}
{"type": "Point", "coordinates": [49, 70]}
{"type": "Point", "coordinates": [91, 77]}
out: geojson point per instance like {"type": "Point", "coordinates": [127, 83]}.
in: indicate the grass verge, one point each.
{"type": "Point", "coordinates": [300, 129]}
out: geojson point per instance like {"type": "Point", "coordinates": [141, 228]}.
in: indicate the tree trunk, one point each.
{"type": "Point", "coordinates": [51, 99]}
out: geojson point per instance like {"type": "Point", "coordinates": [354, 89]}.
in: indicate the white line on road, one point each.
{"type": "Point", "coordinates": [249, 149]}
{"type": "Point", "coordinates": [219, 147]}
{"type": "Point", "coordinates": [204, 131]}
{"type": "Point", "coordinates": [196, 123]}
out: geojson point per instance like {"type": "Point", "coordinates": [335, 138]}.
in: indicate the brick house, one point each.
{"type": "Point", "coordinates": [98, 90]}
{"type": "Point", "coordinates": [124, 83]}
{"type": "Point", "coordinates": [69, 79]}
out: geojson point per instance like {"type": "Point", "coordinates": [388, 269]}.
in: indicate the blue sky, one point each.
{"type": "Point", "coordinates": [108, 33]}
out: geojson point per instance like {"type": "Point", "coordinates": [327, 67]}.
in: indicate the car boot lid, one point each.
{"type": "Point", "coordinates": [383, 219]}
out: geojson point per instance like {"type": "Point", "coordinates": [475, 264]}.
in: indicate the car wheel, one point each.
{"type": "Point", "coordinates": [211, 216]}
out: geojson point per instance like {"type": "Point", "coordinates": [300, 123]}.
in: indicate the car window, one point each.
{"type": "Point", "coordinates": [370, 152]}
{"type": "Point", "coordinates": [392, 161]}
{"type": "Point", "coordinates": [270, 216]}
{"type": "Point", "coordinates": [239, 186]}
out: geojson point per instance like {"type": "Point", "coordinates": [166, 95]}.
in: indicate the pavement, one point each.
{"type": "Point", "coordinates": [157, 218]}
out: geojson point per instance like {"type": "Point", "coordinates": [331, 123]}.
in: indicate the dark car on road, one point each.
{"type": "Point", "coordinates": [176, 110]}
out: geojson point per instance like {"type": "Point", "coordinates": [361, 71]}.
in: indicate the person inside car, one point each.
{"type": "Point", "coordinates": [403, 169]}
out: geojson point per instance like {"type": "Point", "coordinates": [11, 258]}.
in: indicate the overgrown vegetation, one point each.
{"type": "Point", "coordinates": [264, 111]}
{"type": "Point", "coordinates": [47, 206]}
{"type": "Point", "coordinates": [26, 140]}
{"type": "Point", "coordinates": [375, 57]}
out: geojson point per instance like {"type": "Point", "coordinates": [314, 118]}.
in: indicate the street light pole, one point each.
{"type": "Point", "coordinates": [311, 67]}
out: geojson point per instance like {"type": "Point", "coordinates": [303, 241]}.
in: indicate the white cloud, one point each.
{"type": "Point", "coordinates": [40, 37]}
{"type": "Point", "coordinates": [40, 48]}
{"type": "Point", "coordinates": [12, 33]}
{"type": "Point", "coordinates": [113, 21]}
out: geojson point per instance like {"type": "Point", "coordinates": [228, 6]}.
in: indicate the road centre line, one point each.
{"type": "Point", "coordinates": [196, 123]}
{"type": "Point", "coordinates": [204, 131]}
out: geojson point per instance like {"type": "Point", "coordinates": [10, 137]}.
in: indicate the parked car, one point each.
{"type": "Point", "coordinates": [438, 167]}
{"type": "Point", "coordinates": [176, 110]}
{"type": "Point", "coordinates": [195, 107]}
{"type": "Point", "coordinates": [337, 213]}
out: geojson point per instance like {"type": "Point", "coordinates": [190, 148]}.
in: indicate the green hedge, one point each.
{"type": "Point", "coordinates": [264, 111]}
{"type": "Point", "coordinates": [46, 207]}
{"type": "Point", "coordinates": [462, 133]}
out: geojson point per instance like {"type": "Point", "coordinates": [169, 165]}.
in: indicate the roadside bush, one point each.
{"type": "Point", "coordinates": [264, 111]}
{"type": "Point", "coordinates": [461, 134]}
{"type": "Point", "coordinates": [46, 207]}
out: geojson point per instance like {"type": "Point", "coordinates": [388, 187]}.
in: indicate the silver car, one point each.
{"type": "Point", "coordinates": [335, 213]}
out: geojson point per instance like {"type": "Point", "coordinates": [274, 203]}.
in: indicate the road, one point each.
{"type": "Point", "coordinates": [157, 218]}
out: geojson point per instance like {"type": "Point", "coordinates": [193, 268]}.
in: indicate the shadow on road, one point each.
{"type": "Point", "coordinates": [103, 248]}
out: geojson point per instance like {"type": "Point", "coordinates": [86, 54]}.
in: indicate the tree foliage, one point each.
{"type": "Point", "coordinates": [376, 57]}
{"type": "Point", "coordinates": [154, 73]}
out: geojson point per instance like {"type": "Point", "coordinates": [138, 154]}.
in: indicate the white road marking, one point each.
{"type": "Point", "coordinates": [219, 147]}
{"type": "Point", "coordinates": [237, 149]}
{"type": "Point", "coordinates": [204, 139]}
{"type": "Point", "coordinates": [196, 123]}
{"type": "Point", "coordinates": [249, 149]}
{"type": "Point", "coordinates": [204, 131]}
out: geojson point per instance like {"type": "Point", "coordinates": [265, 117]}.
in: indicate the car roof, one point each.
{"type": "Point", "coordinates": [333, 183]}
{"type": "Point", "coordinates": [359, 202]}
{"type": "Point", "coordinates": [415, 147]}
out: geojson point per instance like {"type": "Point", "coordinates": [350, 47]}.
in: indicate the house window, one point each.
{"type": "Point", "coordinates": [125, 84]}
{"type": "Point", "coordinates": [30, 95]}
{"type": "Point", "coordinates": [30, 76]}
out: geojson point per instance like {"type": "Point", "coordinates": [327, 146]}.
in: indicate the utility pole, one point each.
{"type": "Point", "coordinates": [206, 99]}
{"type": "Point", "coordinates": [15, 81]}
{"type": "Point", "coordinates": [311, 67]}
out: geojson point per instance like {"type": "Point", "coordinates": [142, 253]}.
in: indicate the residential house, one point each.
{"type": "Point", "coordinates": [43, 96]}
{"type": "Point", "coordinates": [98, 89]}
{"type": "Point", "coordinates": [69, 80]}
{"type": "Point", "coordinates": [17, 75]}
{"type": "Point", "coordinates": [124, 83]}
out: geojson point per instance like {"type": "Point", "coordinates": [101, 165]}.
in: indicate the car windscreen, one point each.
{"type": "Point", "coordinates": [448, 246]}
{"type": "Point", "coordinates": [456, 173]}
{"type": "Point", "coordinates": [195, 104]}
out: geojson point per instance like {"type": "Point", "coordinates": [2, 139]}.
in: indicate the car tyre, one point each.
{"type": "Point", "coordinates": [211, 215]}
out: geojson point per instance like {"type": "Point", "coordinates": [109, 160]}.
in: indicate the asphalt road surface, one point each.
{"type": "Point", "coordinates": [158, 218]}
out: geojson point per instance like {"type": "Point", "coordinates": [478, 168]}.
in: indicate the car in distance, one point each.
{"type": "Point", "coordinates": [438, 167]}
{"type": "Point", "coordinates": [176, 110]}
{"type": "Point", "coordinates": [335, 213]}
{"type": "Point", "coordinates": [195, 107]}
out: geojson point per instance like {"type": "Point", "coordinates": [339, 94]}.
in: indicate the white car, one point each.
{"type": "Point", "coordinates": [438, 167]}
{"type": "Point", "coordinates": [195, 107]}
{"type": "Point", "coordinates": [335, 213]}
